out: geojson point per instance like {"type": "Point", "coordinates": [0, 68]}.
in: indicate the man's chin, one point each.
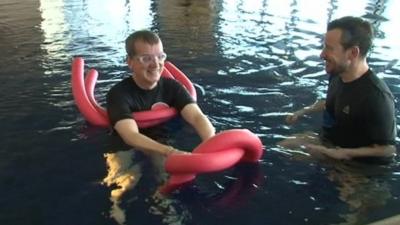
{"type": "Point", "coordinates": [330, 71]}
{"type": "Point", "coordinates": [154, 76]}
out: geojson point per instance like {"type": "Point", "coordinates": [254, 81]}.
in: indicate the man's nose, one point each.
{"type": "Point", "coordinates": [322, 54]}
{"type": "Point", "coordinates": [154, 60]}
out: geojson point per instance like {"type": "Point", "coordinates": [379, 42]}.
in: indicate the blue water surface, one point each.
{"type": "Point", "coordinates": [252, 63]}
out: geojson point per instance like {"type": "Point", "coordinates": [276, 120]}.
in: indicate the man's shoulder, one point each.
{"type": "Point", "coordinates": [120, 87]}
{"type": "Point", "coordinates": [168, 81]}
{"type": "Point", "coordinates": [378, 84]}
{"type": "Point", "coordinates": [121, 84]}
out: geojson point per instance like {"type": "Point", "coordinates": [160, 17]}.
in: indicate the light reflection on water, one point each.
{"type": "Point", "coordinates": [252, 62]}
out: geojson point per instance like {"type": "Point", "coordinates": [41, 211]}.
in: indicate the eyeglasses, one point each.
{"type": "Point", "coordinates": [147, 59]}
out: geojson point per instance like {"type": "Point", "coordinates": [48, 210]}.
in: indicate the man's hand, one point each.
{"type": "Point", "coordinates": [318, 106]}
{"type": "Point", "coordinates": [172, 150]}
{"type": "Point", "coordinates": [293, 117]}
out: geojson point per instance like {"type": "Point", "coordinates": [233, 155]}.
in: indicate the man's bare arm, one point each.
{"type": "Point", "coordinates": [129, 132]}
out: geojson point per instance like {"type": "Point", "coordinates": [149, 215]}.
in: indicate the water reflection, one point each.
{"type": "Point", "coordinates": [254, 61]}
{"type": "Point", "coordinates": [364, 188]}
{"type": "Point", "coordinates": [128, 169]}
{"type": "Point", "coordinates": [193, 23]}
{"type": "Point", "coordinates": [387, 45]}
{"type": "Point", "coordinates": [122, 174]}
{"type": "Point", "coordinates": [98, 25]}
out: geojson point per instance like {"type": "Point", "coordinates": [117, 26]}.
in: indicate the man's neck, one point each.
{"type": "Point", "coordinates": [144, 85]}
{"type": "Point", "coordinates": [357, 70]}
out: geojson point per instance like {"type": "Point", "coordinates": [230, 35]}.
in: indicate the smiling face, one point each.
{"type": "Point", "coordinates": [337, 59]}
{"type": "Point", "coordinates": [147, 63]}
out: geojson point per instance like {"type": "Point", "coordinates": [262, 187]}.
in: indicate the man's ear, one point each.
{"type": "Point", "coordinates": [355, 52]}
{"type": "Point", "coordinates": [129, 61]}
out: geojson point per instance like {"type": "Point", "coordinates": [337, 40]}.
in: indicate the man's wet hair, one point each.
{"type": "Point", "coordinates": [355, 32]}
{"type": "Point", "coordinates": [146, 36]}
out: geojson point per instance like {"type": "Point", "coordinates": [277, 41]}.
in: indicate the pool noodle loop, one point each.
{"type": "Point", "coordinates": [83, 93]}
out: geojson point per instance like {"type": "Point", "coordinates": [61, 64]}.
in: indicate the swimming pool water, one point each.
{"type": "Point", "coordinates": [252, 63]}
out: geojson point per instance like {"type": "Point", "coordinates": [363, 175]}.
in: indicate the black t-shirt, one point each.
{"type": "Point", "coordinates": [126, 97]}
{"type": "Point", "coordinates": [359, 113]}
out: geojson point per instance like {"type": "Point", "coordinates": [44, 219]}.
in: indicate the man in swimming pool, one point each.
{"type": "Point", "coordinates": [145, 89]}
{"type": "Point", "coordinates": [358, 113]}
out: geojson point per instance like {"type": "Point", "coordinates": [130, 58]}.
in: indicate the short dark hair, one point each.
{"type": "Point", "coordinates": [142, 35]}
{"type": "Point", "coordinates": [355, 32]}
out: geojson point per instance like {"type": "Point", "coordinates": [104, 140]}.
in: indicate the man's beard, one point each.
{"type": "Point", "coordinates": [339, 69]}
